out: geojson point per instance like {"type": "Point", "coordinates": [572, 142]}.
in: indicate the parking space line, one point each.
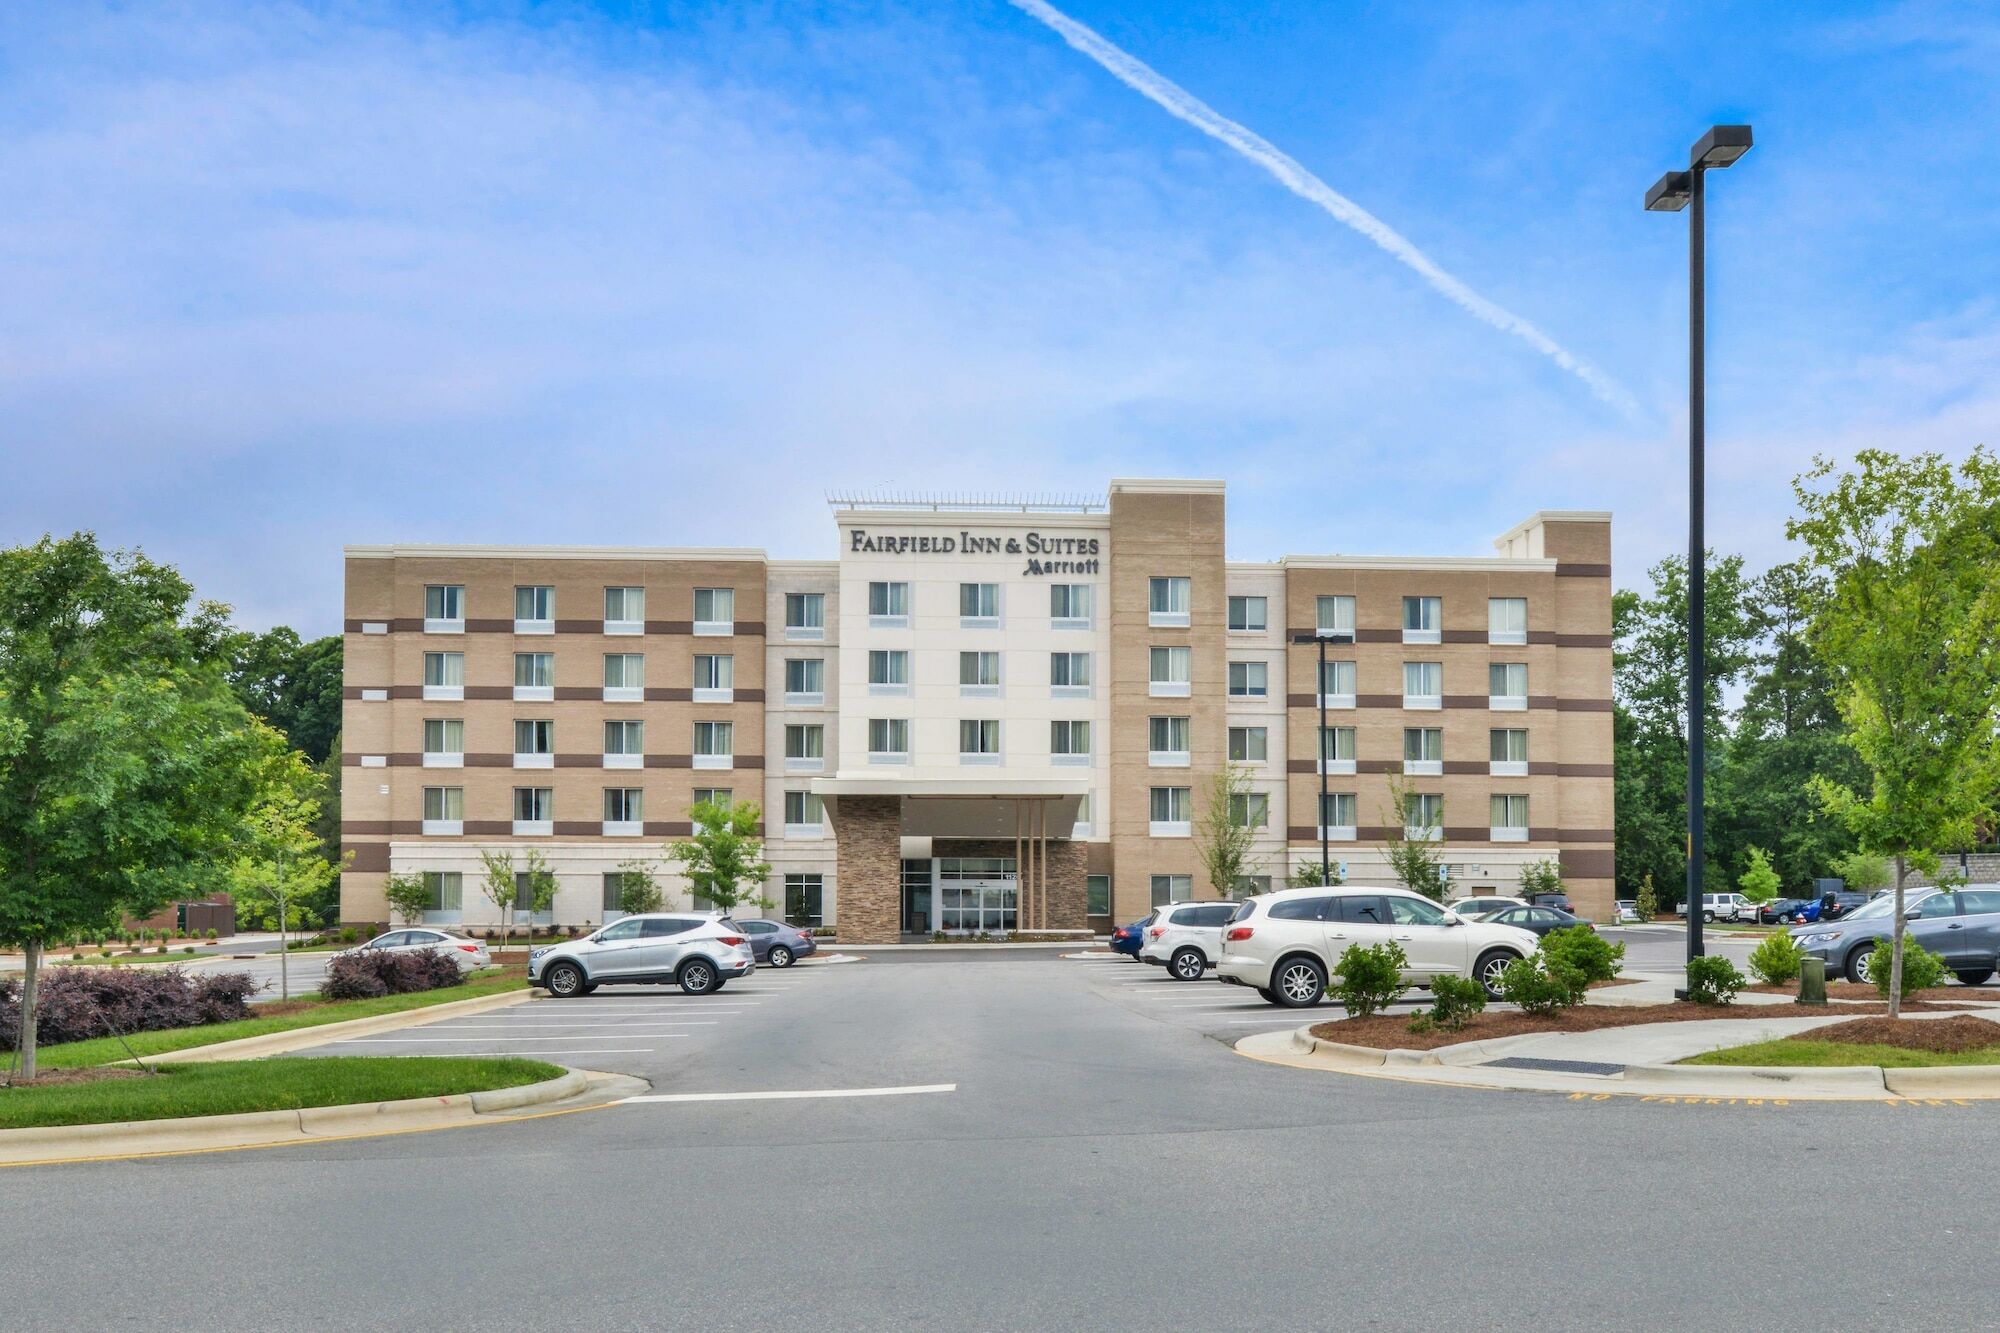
{"type": "Point", "coordinates": [787, 1096]}
{"type": "Point", "coordinates": [484, 1041]}
{"type": "Point", "coordinates": [543, 1023]}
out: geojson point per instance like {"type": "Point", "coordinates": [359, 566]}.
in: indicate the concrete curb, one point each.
{"type": "Point", "coordinates": [297, 1039]}
{"type": "Point", "coordinates": [265, 1129]}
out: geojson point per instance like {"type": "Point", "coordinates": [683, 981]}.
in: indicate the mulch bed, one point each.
{"type": "Point", "coordinates": [90, 1074]}
{"type": "Point", "coordinates": [1856, 990]}
{"type": "Point", "coordinates": [1950, 1035]}
{"type": "Point", "coordinates": [1391, 1032]}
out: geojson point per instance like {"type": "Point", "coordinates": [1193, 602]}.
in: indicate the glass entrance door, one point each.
{"type": "Point", "coordinates": [976, 895]}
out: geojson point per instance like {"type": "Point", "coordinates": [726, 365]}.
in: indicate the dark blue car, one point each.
{"type": "Point", "coordinates": [1127, 939]}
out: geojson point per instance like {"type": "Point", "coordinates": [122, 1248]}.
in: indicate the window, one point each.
{"type": "Point", "coordinates": [888, 605]}
{"type": "Point", "coordinates": [1423, 816]}
{"type": "Point", "coordinates": [714, 677]}
{"type": "Point", "coordinates": [1336, 685]}
{"type": "Point", "coordinates": [805, 615]}
{"type": "Point", "coordinates": [714, 610]}
{"type": "Point", "coordinates": [1171, 669]}
{"type": "Point", "coordinates": [1097, 895]}
{"type": "Point", "coordinates": [1249, 745]}
{"type": "Point", "coordinates": [804, 810]}
{"type": "Point", "coordinates": [534, 806]}
{"type": "Point", "coordinates": [719, 797]}
{"type": "Point", "coordinates": [1336, 816]}
{"type": "Point", "coordinates": [1247, 886]}
{"type": "Point", "coordinates": [1334, 615]}
{"type": "Point", "coordinates": [888, 671]}
{"type": "Point", "coordinates": [535, 610]}
{"type": "Point", "coordinates": [802, 900]}
{"type": "Point", "coordinates": [1168, 601]}
{"type": "Point", "coordinates": [805, 680]}
{"type": "Point", "coordinates": [447, 890]}
{"type": "Point", "coordinates": [624, 610]}
{"type": "Point", "coordinates": [1069, 674]}
{"type": "Point", "coordinates": [888, 739]}
{"type": "Point", "coordinates": [805, 743]}
{"type": "Point", "coordinates": [444, 809]}
{"type": "Point", "coordinates": [1167, 742]}
{"type": "Point", "coordinates": [1170, 811]}
{"type": "Point", "coordinates": [444, 675]}
{"type": "Point", "coordinates": [1305, 909]}
{"type": "Point", "coordinates": [978, 605]}
{"type": "Point", "coordinates": [979, 738]}
{"type": "Point", "coordinates": [1507, 685]}
{"type": "Point", "coordinates": [624, 677]}
{"type": "Point", "coordinates": [1250, 809]}
{"type": "Point", "coordinates": [1506, 620]}
{"type": "Point", "coordinates": [1336, 749]}
{"type": "Point", "coordinates": [535, 676]}
{"type": "Point", "coordinates": [1414, 912]}
{"type": "Point", "coordinates": [714, 744]}
{"type": "Point", "coordinates": [1509, 752]}
{"type": "Point", "coordinates": [524, 899]}
{"type": "Point", "coordinates": [1248, 613]}
{"type": "Point", "coordinates": [1171, 889]}
{"type": "Point", "coordinates": [1423, 750]}
{"type": "Point", "coordinates": [444, 608]}
{"type": "Point", "coordinates": [1069, 606]}
{"type": "Point", "coordinates": [1423, 618]}
{"type": "Point", "coordinates": [1069, 739]}
{"type": "Point", "coordinates": [614, 892]}
{"type": "Point", "coordinates": [1423, 684]}
{"type": "Point", "coordinates": [624, 805]}
{"type": "Point", "coordinates": [444, 743]}
{"type": "Point", "coordinates": [534, 743]}
{"type": "Point", "coordinates": [979, 673]}
{"type": "Point", "coordinates": [1249, 680]}
{"type": "Point", "coordinates": [1509, 818]}
{"type": "Point", "coordinates": [625, 744]}
{"type": "Point", "coordinates": [624, 930]}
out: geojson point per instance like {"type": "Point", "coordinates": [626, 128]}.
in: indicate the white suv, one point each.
{"type": "Point", "coordinates": [1185, 938]}
{"type": "Point", "coordinates": [1286, 945]}
{"type": "Point", "coordinates": [699, 952]}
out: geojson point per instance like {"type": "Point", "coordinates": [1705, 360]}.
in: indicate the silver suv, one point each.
{"type": "Point", "coordinates": [699, 952]}
{"type": "Point", "coordinates": [1185, 938]}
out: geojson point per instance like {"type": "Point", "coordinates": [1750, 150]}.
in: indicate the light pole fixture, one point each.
{"type": "Point", "coordinates": [1322, 638]}
{"type": "Point", "coordinates": [1677, 190]}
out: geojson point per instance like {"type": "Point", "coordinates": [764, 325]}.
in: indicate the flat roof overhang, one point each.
{"type": "Point", "coordinates": [965, 807]}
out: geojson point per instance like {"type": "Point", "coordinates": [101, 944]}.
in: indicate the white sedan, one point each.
{"type": "Point", "coordinates": [469, 954]}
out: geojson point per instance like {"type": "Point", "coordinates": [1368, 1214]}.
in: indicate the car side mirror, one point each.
{"type": "Point", "coordinates": [1453, 919]}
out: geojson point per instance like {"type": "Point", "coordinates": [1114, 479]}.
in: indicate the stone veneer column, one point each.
{"type": "Point", "coordinates": [869, 864]}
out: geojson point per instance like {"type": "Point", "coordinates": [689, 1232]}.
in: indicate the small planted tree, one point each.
{"type": "Point", "coordinates": [499, 888]}
{"type": "Point", "coordinates": [638, 888]}
{"type": "Point", "coordinates": [1646, 905]}
{"type": "Point", "coordinates": [1415, 853]}
{"type": "Point", "coordinates": [280, 859]}
{"type": "Point", "coordinates": [535, 883]}
{"type": "Point", "coordinates": [1543, 876]}
{"type": "Point", "coordinates": [1369, 978]}
{"type": "Point", "coordinates": [409, 897]}
{"type": "Point", "coordinates": [1313, 875]}
{"type": "Point", "coordinates": [1759, 882]}
{"type": "Point", "coordinates": [722, 860]}
{"type": "Point", "coordinates": [1863, 872]}
{"type": "Point", "coordinates": [1228, 828]}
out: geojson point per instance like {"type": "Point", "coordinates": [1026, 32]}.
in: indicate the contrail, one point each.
{"type": "Point", "coordinates": [1183, 105]}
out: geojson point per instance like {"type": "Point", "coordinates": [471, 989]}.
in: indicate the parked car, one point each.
{"type": "Point", "coordinates": [778, 943]}
{"type": "Point", "coordinates": [1723, 907]}
{"type": "Point", "coordinates": [1628, 910]}
{"type": "Point", "coordinates": [1803, 911]}
{"type": "Point", "coordinates": [1778, 910]}
{"type": "Point", "coordinates": [1962, 926]}
{"type": "Point", "coordinates": [1285, 945]}
{"type": "Point", "coordinates": [1185, 938]}
{"type": "Point", "coordinates": [1834, 906]}
{"type": "Point", "coordinates": [1128, 939]}
{"type": "Point", "coordinates": [469, 954]}
{"type": "Point", "coordinates": [1540, 920]}
{"type": "Point", "coordinates": [1559, 901]}
{"type": "Point", "coordinates": [1471, 907]}
{"type": "Point", "coordinates": [699, 952]}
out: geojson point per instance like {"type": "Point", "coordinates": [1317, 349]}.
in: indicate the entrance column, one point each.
{"type": "Point", "coordinates": [869, 864]}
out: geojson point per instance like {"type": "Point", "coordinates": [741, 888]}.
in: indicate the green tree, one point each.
{"type": "Point", "coordinates": [1224, 837]}
{"type": "Point", "coordinates": [1418, 861]}
{"type": "Point", "coordinates": [1863, 872]}
{"type": "Point", "coordinates": [1909, 626]}
{"type": "Point", "coordinates": [126, 764]}
{"type": "Point", "coordinates": [1646, 905]}
{"type": "Point", "coordinates": [409, 897]}
{"type": "Point", "coordinates": [537, 884]}
{"type": "Point", "coordinates": [1759, 883]}
{"type": "Point", "coordinates": [721, 860]}
{"type": "Point", "coordinates": [638, 888]}
{"type": "Point", "coordinates": [531, 886]}
{"type": "Point", "coordinates": [1314, 874]}
{"type": "Point", "coordinates": [1543, 876]}
{"type": "Point", "coordinates": [498, 886]}
{"type": "Point", "coordinates": [279, 861]}
{"type": "Point", "coordinates": [295, 686]}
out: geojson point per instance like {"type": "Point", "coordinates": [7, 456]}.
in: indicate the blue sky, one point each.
{"type": "Point", "coordinates": [280, 277]}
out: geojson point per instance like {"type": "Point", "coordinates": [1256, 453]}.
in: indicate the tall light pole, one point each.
{"type": "Point", "coordinates": [1676, 190]}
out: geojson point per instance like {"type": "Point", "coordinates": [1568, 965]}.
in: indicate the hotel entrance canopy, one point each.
{"type": "Point", "coordinates": [965, 807]}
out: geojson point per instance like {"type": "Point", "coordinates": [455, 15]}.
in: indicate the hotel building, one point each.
{"type": "Point", "coordinates": [976, 717]}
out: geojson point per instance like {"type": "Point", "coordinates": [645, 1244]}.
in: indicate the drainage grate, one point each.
{"type": "Point", "coordinates": [1556, 1066]}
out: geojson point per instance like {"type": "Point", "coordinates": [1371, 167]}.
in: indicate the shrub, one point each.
{"type": "Point", "coordinates": [1454, 1000]}
{"type": "Point", "coordinates": [1583, 951]}
{"type": "Point", "coordinates": [349, 935]}
{"type": "Point", "coordinates": [1539, 984]}
{"type": "Point", "coordinates": [1713, 980]}
{"type": "Point", "coordinates": [1369, 978]}
{"type": "Point", "coordinates": [1922, 969]}
{"type": "Point", "coordinates": [376, 972]}
{"type": "Point", "coordinates": [78, 1003]}
{"type": "Point", "coordinates": [1776, 961]}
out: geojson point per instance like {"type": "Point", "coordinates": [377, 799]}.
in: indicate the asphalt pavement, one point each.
{"type": "Point", "coordinates": [1033, 1146]}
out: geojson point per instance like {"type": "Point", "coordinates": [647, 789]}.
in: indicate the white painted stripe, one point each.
{"type": "Point", "coordinates": [523, 1026]}
{"type": "Point", "coordinates": [477, 1041]}
{"type": "Point", "coordinates": [789, 1096]}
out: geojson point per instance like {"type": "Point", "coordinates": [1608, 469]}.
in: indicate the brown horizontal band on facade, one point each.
{"type": "Point", "coordinates": [1462, 636]}
{"type": "Point", "coordinates": [1377, 765]}
{"type": "Point", "coordinates": [489, 627]}
{"type": "Point", "coordinates": [580, 761]}
{"type": "Point", "coordinates": [484, 759]}
{"type": "Point", "coordinates": [1301, 833]}
{"type": "Point", "coordinates": [750, 696]}
{"type": "Point", "coordinates": [1544, 834]}
{"type": "Point", "coordinates": [1301, 766]}
{"type": "Point", "coordinates": [1301, 701]}
{"type": "Point", "coordinates": [1588, 863]}
{"type": "Point", "coordinates": [352, 759]}
{"type": "Point", "coordinates": [750, 761]}
{"type": "Point", "coordinates": [670, 627]}
{"type": "Point", "coordinates": [489, 692]}
{"type": "Point", "coordinates": [669, 694]}
{"type": "Point", "coordinates": [1378, 701]}
{"type": "Point", "coordinates": [368, 857]}
{"type": "Point", "coordinates": [1582, 770]}
{"type": "Point", "coordinates": [1378, 636]}
{"type": "Point", "coordinates": [1587, 835]}
{"type": "Point", "coordinates": [669, 828]}
{"type": "Point", "coordinates": [1466, 701]}
{"type": "Point", "coordinates": [1455, 833]}
{"type": "Point", "coordinates": [367, 828]}
{"type": "Point", "coordinates": [1454, 768]}
{"type": "Point", "coordinates": [354, 692]}
{"type": "Point", "coordinates": [1583, 640]}
{"type": "Point", "coordinates": [579, 828]}
{"type": "Point", "coordinates": [488, 828]}
{"type": "Point", "coordinates": [1577, 571]}
{"type": "Point", "coordinates": [578, 693]}
{"type": "Point", "coordinates": [1583, 705]}
{"type": "Point", "coordinates": [669, 761]}
{"type": "Point", "coordinates": [579, 627]}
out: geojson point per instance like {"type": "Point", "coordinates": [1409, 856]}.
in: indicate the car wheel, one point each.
{"type": "Point", "coordinates": [697, 977]}
{"type": "Point", "coordinates": [1188, 965]}
{"type": "Point", "coordinates": [1708, 916]}
{"type": "Point", "coordinates": [780, 956]}
{"type": "Point", "coordinates": [565, 980]}
{"type": "Point", "coordinates": [1270, 996]}
{"type": "Point", "coordinates": [1857, 964]}
{"type": "Point", "coordinates": [1488, 969]}
{"type": "Point", "coordinates": [1977, 976]}
{"type": "Point", "coordinates": [1298, 983]}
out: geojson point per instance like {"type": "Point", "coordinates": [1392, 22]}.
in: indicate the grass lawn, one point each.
{"type": "Point", "coordinates": [279, 1084]}
{"type": "Point", "coordinates": [1821, 1054]}
{"type": "Point", "coordinates": [127, 959]}
{"type": "Point", "coordinates": [108, 1050]}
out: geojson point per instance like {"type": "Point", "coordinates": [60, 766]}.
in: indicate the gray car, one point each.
{"type": "Point", "coordinates": [778, 944]}
{"type": "Point", "coordinates": [1961, 926]}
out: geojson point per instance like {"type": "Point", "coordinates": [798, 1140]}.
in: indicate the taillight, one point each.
{"type": "Point", "coordinates": [1238, 933]}
{"type": "Point", "coordinates": [468, 948]}
{"type": "Point", "coordinates": [1157, 931]}
{"type": "Point", "coordinates": [732, 940]}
